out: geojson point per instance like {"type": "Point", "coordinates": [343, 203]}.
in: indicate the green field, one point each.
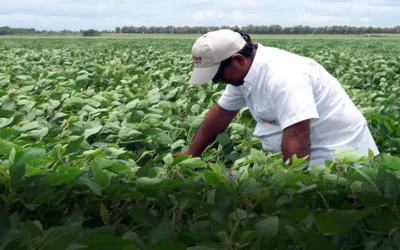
{"type": "Point", "coordinates": [88, 127]}
{"type": "Point", "coordinates": [188, 36]}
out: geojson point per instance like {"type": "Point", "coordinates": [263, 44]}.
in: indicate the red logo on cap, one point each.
{"type": "Point", "coordinates": [197, 59]}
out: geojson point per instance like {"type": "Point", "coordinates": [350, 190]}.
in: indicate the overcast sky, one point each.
{"type": "Point", "coordinates": [108, 14]}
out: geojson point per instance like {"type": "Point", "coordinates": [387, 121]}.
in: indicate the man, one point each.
{"type": "Point", "coordinates": [299, 107]}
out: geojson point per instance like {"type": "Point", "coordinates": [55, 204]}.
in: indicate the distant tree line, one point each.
{"type": "Point", "coordinates": [24, 31]}
{"type": "Point", "coordinates": [251, 29]}
{"type": "Point", "coordinates": [13, 31]}
{"type": "Point", "coordinates": [263, 29]}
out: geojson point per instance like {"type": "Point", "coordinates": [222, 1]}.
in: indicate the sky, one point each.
{"type": "Point", "coordinates": [108, 14]}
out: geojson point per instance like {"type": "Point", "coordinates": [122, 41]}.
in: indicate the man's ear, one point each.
{"type": "Point", "coordinates": [239, 58]}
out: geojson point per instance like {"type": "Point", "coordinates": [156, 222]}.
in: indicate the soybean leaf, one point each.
{"type": "Point", "coordinates": [5, 224]}
{"type": "Point", "coordinates": [258, 156]}
{"type": "Point", "coordinates": [318, 242]}
{"type": "Point", "coordinates": [92, 131]}
{"type": "Point", "coordinates": [219, 218]}
{"type": "Point", "coordinates": [6, 121]}
{"type": "Point", "coordinates": [282, 179]}
{"type": "Point", "coordinates": [388, 184]}
{"type": "Point", "coordinates": [105, 242]}
{"type": "Point", "coordinates": [145, 183]}
{"type": "Point", "coordinates": [348, 155]}
{"type": "Point", "coordinates": [6, 147]}
{"type": "Point", "coordinates": [223, 138]}
{"type": "Point", "coordinates": [295, 234]}
{"type": "Point", "coordinates": [193, 163]}
{"type": "Point", "coordinates": [268, 226]}
{"type": "Point", "coordinates": [168, 159]}
{"type": "Point", "coordinates": [163, 232]}
{"type": "Point", "coordinates": [340, 221]}
{"type": "Point", "coordinates": [92, 185]}
{"type": "Point", "coordinates": [162, 138]}
{"type": "Point", "coordinates": [222, 198]}
{"type": "Point", "coordinates": [167, 246]}
{"type": "Point", "coordinates": [389, 161]}
{"type": "Point", "coordinates": [209, 246]}
{"type": "Point", "coordinates": [59, 237]}
{"type": "Point", "coordinates": [31, 229]}
{"type": "Point", "coordinates": [74, 144]}
{"type": "Point", "coordinates": [99, 175]}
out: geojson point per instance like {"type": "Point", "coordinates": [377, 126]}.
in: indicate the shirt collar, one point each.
{"type": "Point", "coordinates": [251, 76]}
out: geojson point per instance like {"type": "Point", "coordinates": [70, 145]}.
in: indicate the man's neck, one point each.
{"type": "Point", "coordinates": [255, 45]}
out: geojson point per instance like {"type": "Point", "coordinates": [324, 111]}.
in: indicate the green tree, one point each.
{"type": "Point", "coordinates": [90, 32]}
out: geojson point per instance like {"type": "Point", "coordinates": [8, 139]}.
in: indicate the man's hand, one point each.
{"type": "Point", "coordinates": [296, 140]}
{"type": "Point", "coordinates": [216, 121]}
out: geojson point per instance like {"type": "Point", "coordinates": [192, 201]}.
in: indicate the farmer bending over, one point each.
{"type": "Point", "coordinates": [299, 107]}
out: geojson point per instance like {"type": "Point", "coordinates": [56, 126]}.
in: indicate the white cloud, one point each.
{"type": "Point", "coordinates": [365, 19]}
{"type": "Point", "coordinates": [206, 15]}
{"type": "Point", "coordinates": [321, 19]}
{"type": "Point", "coordinates": [241, 16]}
{"type": "Point", "coordinates": [26, 20]}
{"type": "Point", "coordinates": [108, 14]}
{"type": "Point", "coordinates": [377, 6]}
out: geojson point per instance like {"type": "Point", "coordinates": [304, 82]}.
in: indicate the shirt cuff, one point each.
{"type": "Point", "coordinates": [231, 106]}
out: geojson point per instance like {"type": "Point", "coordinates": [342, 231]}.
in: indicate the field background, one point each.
{"type": "Point", "coordinates": [88, 127]}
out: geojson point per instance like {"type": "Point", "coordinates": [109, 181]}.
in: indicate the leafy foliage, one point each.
{"type": "Point", "coordinates": [87, 133]}
{"type": "Point", "coordinates": [90, 32]}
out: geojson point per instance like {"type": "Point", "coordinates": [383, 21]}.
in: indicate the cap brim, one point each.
{"type": "Point", "coordinates": [204, 75]}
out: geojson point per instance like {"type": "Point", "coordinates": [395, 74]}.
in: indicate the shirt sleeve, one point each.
{"type": "Point", "coordinates": [292, 99]}
{"type": "Point", "coordinates": [232, 98]}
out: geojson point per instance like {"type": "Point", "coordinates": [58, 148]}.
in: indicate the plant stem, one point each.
{"type": "Point", "coordinates": [374, 232]}
{"type": "Point", "coordinates": [323, 198]}
{"type": "Point", "coordinates": [393, 230]}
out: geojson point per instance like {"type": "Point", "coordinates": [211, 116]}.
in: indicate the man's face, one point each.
{"type": "Point", "coordinates": [234, 73]}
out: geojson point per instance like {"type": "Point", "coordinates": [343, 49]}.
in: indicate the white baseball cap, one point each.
{"type": "Point", "coordinates": [210, 50]}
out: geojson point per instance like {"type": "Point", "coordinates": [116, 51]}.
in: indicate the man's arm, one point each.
{"type": "Point", "coordinates": [292, 100]}
{"type": "Point", "coordinates": [296, 140]}
{"type": "Point", "coordinates": [216, 121]}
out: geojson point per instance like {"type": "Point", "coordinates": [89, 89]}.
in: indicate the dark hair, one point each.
{"type": "Point", "coordinates": [246, 51]}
